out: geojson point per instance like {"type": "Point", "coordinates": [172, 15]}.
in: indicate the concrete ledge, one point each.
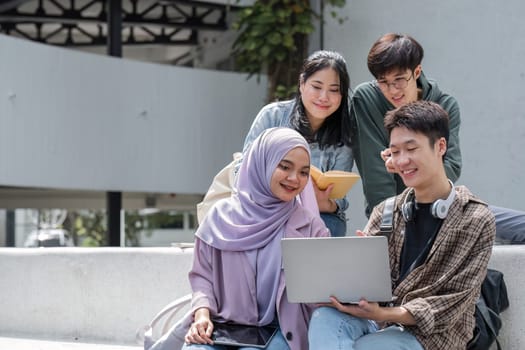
{"type": "Point", "coordinates": [38, 344]}
{"type": "Point", "coordinates": [510, 259]}
{"type": "Point", "coordinates": [87, 294]}
{"type": "Point", "coordinates": [90, 298]}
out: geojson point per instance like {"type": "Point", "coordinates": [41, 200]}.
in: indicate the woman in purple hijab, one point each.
{"type": "Point", "coordinates": [237, 275]}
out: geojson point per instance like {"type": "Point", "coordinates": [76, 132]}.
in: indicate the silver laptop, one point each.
{"type": "Point", "coordinates": [349, 268]}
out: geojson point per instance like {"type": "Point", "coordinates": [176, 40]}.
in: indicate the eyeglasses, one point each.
{"type": "Point", "coordinates": [398, 83]}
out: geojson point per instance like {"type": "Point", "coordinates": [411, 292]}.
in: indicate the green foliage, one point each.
{"type": "Point", "coordinates": [271, 36]}
{"type": "Point", "coordinates": [137, 222]}
{"type": "Point", "coordinates": [273, 40]}
{"type": "Point", "coordinates": [283, 92]}
{"type": "Point", "coordinates": [89, 227]}
{"type": "Point", "coordinates": [267, 32]}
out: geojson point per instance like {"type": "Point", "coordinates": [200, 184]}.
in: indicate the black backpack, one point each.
{"type": "Point", "coordinates": [492, 300]}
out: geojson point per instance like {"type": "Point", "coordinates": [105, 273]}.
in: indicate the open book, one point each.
{"type": "Point", "coordinates": [342, 180]}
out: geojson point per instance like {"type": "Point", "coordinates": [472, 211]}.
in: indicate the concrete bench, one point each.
{"type": "Point", "coordinates": [87, 294]}
{"type": "Point", "coordinates": [510, 259]}
{"type": "Point", "coordinates": [82, 296]}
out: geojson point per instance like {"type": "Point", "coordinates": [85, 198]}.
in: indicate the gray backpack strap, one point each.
{"type": "Point", "coordinates": [387, 221]}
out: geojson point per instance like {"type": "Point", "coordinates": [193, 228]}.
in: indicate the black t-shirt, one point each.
{"type": "Point", "coordinates": [419, 237]}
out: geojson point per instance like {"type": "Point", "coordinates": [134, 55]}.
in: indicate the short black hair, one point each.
{"type": "Point", "coordinates": [394, 52]}
{"type": "Point", "coordinates": [425, 117]}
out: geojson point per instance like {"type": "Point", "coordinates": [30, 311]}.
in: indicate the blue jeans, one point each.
{"type": "Point", "coordinates": [510, 225]}
{"type": "Point", "coordinates": [331, 329]}
{"type": "Point", "coordinates": [277, 343]}
{"type": "Point", "coordinates": [335, 224]}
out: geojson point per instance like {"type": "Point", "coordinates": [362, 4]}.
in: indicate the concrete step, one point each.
{"type": "Point", "coordinates": [37, 344]}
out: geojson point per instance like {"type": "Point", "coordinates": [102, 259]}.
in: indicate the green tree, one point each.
{"type": "Point", "coordinates": [88, 227]}
{"type": "Point", "coordinates": [273, 40]}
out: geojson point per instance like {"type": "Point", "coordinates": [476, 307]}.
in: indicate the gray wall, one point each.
{"type": "Point", "coordinates": [196, 119]}
{"type": "Point", "coordinates": [83, 121]}
{"type": "Point", "coordinates": [476, 51]}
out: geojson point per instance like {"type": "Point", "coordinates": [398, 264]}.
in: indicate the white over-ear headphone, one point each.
{"type": "Point", "coordinates": [439, 208]}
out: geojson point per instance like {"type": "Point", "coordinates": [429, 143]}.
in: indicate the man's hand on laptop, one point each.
{"type": "Point", "coordinates": [362, 309]}
{"type": "Point", "coordinates": [373, 311]}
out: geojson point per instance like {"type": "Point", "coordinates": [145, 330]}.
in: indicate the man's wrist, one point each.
{"type": "Point", "coordinates": [397, 314]}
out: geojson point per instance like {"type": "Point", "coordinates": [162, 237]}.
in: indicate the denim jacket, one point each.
{"type": "Point", "coordinates": [331, 158]}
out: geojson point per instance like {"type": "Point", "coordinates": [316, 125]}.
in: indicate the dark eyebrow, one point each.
{"type": "Point", "coordinates": [396, 75]}
{"type": "Point", "coordinates": [411, 141]}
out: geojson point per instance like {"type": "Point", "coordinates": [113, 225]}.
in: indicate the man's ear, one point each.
{"type": "Point", "coordinates": [417, 71]}
{"type": "Point", "coordinates": [442, 146]}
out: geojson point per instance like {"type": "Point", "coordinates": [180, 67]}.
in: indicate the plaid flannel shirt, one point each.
{"type": "Point", "coordinates": [441, 293]}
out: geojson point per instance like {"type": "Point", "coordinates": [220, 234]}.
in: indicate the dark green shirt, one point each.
{"type": "Point", "coordinates": [369, 106]}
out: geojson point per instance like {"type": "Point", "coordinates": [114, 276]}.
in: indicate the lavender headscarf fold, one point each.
{"type": "Point", "coordinates": [253, 220]}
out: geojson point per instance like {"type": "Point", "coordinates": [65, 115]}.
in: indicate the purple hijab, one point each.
{"type": "Point", "coordinates": [253, 220]}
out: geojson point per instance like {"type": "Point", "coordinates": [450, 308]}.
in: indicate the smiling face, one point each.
{"type": "Point", "coordinates": [291, 175]}
{"type": "Point", "coordinates": [400, 96]}
{"type": "Point", "coordinates": [321, 96]}
{"type": "Point", "coordinates": [417, 162]}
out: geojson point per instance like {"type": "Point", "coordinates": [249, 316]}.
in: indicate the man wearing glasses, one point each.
{"type": "Point", "coordinates": [395, 62]}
